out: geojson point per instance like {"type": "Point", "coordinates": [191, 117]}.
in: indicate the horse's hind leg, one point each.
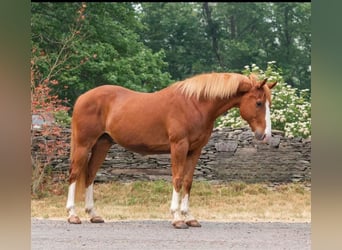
{"type": "Point", "coordinates": [99, 152]}
{"type": "Point", "coordinates": [78, 163]}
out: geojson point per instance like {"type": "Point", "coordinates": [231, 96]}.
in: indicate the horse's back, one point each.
{"type": "Point", "coordinates": [132, 119]}
{"type": "Point", "coordinates": [100, 99]}
{"type": "Point", "coordinates": [103, 92]}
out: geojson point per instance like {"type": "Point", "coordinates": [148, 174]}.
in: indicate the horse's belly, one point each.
{"type": "Point", "coordinates": [143, 143]}
{"type": "Point", "coordinates": [145, 149]}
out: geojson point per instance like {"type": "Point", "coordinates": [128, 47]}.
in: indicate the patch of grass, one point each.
{"type": "Point", "coordinates": [235, 201]}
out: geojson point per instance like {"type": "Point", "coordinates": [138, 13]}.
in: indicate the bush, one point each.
{"type": "Point", "coordinates": [291, 107]}
{"type": "Point", "coordinates": [62, 118]}
{"type": "Point", "coordinates": [45, 103]}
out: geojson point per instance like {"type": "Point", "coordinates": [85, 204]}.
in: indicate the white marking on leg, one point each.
{"type": "Point", "coordinates": [175, 200]}
{"type": "Point", "coordinates": [185, 204]}
{"type": "Point", "coordinates": [185, 208]}
{"type": "Point", "coordinates": [175, 205]}
{"type": "Point", "coordinates": [89, 201]}
{"type": "Point", "coordinates": [268, 130]}
{"type": "Point", "coordinates": [70, 206]}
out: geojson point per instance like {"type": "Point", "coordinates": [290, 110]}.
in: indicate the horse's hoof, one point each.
{"type": "Point", "coordinates": [193, 223]}
{"type": "Point", "coordinates": [74, 219]}
{"type": "Point", "coordinates": [96, 219]}
{"type": "Point", "coordinates": [180, 225]}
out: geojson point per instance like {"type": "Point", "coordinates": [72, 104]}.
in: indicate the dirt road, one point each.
{"type": "Point", "coordinates": [58, 234]}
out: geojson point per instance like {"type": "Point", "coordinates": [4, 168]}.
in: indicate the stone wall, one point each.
{"type": "Point", "coordinates": [230, 155]}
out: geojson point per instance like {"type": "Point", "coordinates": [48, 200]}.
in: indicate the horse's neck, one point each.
{"type": "Point", "coordinates": [215, 108]}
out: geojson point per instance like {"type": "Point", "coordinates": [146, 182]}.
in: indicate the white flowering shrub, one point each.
{"type": "Point", "coordinates": [290, 110]}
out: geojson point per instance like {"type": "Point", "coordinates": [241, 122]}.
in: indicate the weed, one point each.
{"type": "Point", "coordinates": [151, 200]}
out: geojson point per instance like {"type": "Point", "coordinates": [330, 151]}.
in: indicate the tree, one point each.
{"type": "Point", "coordinates": [212, 31]}
{"type": "Point", "coordinates": [291, 23]}
{"type": "Point", "coordinates": [176, 28]}
{"type": "Point", "coordinates": [99, 45]}
{"type": "Point", "coordinates": [144, 45]}
{"type": "Point", "coordinates": [203, 37]}
{"type": "Point", "coordinates": [57, 32]}
{"type": "Point", "coordinates": [46, 104]}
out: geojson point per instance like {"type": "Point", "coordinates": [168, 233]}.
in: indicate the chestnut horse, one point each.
{"type": "Point", "coordinates": [178, 120]}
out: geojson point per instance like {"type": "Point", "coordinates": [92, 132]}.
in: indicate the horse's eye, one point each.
{"type": "Point", "coordinates": [259, 103]}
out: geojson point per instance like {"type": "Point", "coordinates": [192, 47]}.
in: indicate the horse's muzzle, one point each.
{"type": "Point", "coordinates": [263, 137]}
{"type": "Point", "coordinates": [259, 136]}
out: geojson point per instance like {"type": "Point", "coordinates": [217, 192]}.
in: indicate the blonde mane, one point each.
{"type": "Point", "coordinates": [211, 85]}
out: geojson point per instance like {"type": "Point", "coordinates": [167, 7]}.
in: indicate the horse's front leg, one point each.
{"type": "Point", "coordinates": [178, 160]}
{"type": "Point", "coordinates": [178, 220]}
{"type": "Point", "coordinates": [188, 217]}
{"type": "Point", "coordinates": [191, 162]}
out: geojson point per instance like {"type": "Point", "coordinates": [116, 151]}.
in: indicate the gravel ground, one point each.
{"type": "Point", "coordinates": [58, 234]}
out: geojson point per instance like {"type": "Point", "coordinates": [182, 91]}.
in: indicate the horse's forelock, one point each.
{"type": "Point", "coordinates": [255, 79]}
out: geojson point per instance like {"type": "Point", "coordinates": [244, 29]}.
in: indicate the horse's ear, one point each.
{"type": "Point", "coordinates": [262, 83]}
{"type": "Point", "coordinates": [271, 84]}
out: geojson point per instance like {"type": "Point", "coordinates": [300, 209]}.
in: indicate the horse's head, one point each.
{"type": "Point", "coordinates": [255, 106]}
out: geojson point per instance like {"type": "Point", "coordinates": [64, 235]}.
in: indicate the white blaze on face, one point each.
{"type": "Point", "coordinates": [268, 129]}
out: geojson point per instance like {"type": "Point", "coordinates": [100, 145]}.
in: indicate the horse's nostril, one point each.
{"type": "Point", "coordinates": [260, 136]}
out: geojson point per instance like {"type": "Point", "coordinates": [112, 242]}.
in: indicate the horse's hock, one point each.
{"type": "Point", "coordinates": [230, 155]}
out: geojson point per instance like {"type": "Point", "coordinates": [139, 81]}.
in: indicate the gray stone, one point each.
{"type": "Point", "coordinates": [230, 155]}
{"type": "Point", "coordinates": [229, 146]}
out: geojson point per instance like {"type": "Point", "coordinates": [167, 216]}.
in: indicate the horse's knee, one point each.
{"type": "Point", "coordinates": [177, 183]}
{"type": "Point", "coordinates": [187, 184]}
{"type": "Point", "coordinates": [73, 175]}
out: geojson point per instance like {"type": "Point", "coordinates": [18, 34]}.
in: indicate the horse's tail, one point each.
{"type": "Point", "coordinates": [81, 173]}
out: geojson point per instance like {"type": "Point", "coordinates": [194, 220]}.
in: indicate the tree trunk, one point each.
{"type": "Point", "coordinates": [212, 32]}
{"type": "Point", "coordinates": [232, 27]}
{"type": "Point", "coordinates": [287, 32]}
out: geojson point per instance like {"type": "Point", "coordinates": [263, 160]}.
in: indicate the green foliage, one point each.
{"type": "Point", "coordinates": [176, 28]}
{"type": "Point", "coordinates": [144, 46]}
{"type": "Point", "coordinates": [291, 107]}
{"type": "Point", "coordinates": [84, 45]}
{"type": "Point", "coordinates": [204, 37]}
{"type": "Point", "coordinates": [62, 118]}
